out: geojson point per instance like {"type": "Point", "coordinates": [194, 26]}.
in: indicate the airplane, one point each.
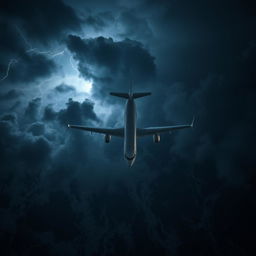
{"type": "Point", "coordinates": [130, 132]}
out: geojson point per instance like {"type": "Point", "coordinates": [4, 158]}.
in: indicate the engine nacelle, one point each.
{"type": "Point", "coordinates": [156, 138]}
{"type": "Point", "coordinates": [107, 138]}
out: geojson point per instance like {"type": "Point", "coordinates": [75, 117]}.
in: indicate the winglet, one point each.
{"type": "Point", "coordinates": [192, 123]}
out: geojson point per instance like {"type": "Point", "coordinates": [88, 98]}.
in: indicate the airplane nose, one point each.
{"type": "Point", "coordinates": [130, 163]}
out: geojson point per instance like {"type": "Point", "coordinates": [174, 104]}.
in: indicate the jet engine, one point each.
{"type": "Point", "coordinates": [107, 138]}
{"type": "Point", "coordinates": [156, 138]}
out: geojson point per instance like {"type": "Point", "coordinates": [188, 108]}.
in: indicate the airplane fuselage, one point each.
{"type": "Point", "coordinates": [130, 119]}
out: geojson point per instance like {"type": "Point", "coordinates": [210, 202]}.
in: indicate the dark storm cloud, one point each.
{"type": "Point", "coordinates": [75, 112]}
{"type": "Point", "coordinates": [26, 24]}
{"type": "Point", "coordinates": [96, 22]}
{"type": "Point", "coordinates": [26, 149]}
{"type": "Point", "coordinates": [9, 117]}
{"type": "Point", "coordinates": [193, 37]}
{"type": "Point", "coordinates": [36, 152]}
{"type": "Point", "coordinates": [17, 65]}
{"type": "Point", "coordinates": [37, 129]}
{"type": "Point", "coordinates": [112, 63]}
{"type": "Point", "coordinates": [64, 88]}
{"type": "Point", "coordinates": [100, 20]}
{"type": "Point", "coordinates": [13, 129]}
{"type": "Point", "coordinates": [117, 57]}
{"type": "Point", "coordinates": [32, 109]}
{"type": "Point", "coordinates": [219, 99]}
{"type": "Point", "coordinates": [32, 152]}
{"type": "Point", "coordinates": [49, 113]}
{"type": "Point", "coordinates": [42, 20]}
{"type": "Point", "coordinates": [32, 67]}
{"type": "Point", "coordinates": [12, 94]}
{"type": "Point", "coordinates": [134, 26]}
{"type": "Point", "coordinates": [28, 155]}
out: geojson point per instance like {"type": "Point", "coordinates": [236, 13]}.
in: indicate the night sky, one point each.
{"type": "Point", "coordinates": [66, 192]}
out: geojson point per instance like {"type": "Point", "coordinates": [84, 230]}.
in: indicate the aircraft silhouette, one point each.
{"type": "Point", "coordinates": [130, 132]}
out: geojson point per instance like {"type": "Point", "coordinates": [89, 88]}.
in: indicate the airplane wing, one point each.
{"type": "Point", "coordinates": [119, 132]}
{"type": "Point", "coordinates": [156, 130]}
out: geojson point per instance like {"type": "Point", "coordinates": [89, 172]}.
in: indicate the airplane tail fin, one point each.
{"type": "Point", "coordinates": [130, 95]}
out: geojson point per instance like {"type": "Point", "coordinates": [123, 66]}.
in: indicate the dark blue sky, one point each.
{"type": "Point", "coordinates": [66, 192]}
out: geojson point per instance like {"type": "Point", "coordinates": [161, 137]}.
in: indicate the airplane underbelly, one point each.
{"type": "Point", "coordinates": [130, 146]}
{"type": "Point", "coordinates": [130, 140]}
{"type": "Point", "coordinates": [130, 131]}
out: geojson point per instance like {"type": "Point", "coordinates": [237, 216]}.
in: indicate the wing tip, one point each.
{"type": "Point", "coordinates": [69, 126]}
{"type": "Point", "coordinates": [192, 123]}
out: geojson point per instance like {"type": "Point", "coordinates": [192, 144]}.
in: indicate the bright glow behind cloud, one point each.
{"type": "Point", "coordinates": [80, 84]}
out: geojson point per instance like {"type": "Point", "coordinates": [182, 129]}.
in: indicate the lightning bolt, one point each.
{"type": "Point", "coordinates": [11, 62]}
{"type": "Point", "coordinates": [40, 85]}
{"type": "Point", "coordinates": [72, 64]}
{"type": "Point", "coordinates": [23, 37]}
{"type": "Point", "coordinates": [51, 54]}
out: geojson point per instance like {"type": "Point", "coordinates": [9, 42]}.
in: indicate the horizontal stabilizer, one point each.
{"type": "Point", "coordinates": [130, 96]}
{"type": "Point", "coordinates": [120, 94]}
{"type": "Point", "coordinates": [140, 94]}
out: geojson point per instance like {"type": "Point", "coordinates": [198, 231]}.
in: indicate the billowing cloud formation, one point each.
{"type": "Point", "coordinates": [76, 112]}
{"type": "Point", "coordinates": [109, 63]}
{"type": "Point", "coordinates": [63, 88]}
{"type": "Point", "coordinates": [32, 109]}
{"type": "Point", "coordinates": [129, 21]}
{"type": "Point", "coordinates": [66, 192]}
{"type": "Point", "coordinates": [10, 95]}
